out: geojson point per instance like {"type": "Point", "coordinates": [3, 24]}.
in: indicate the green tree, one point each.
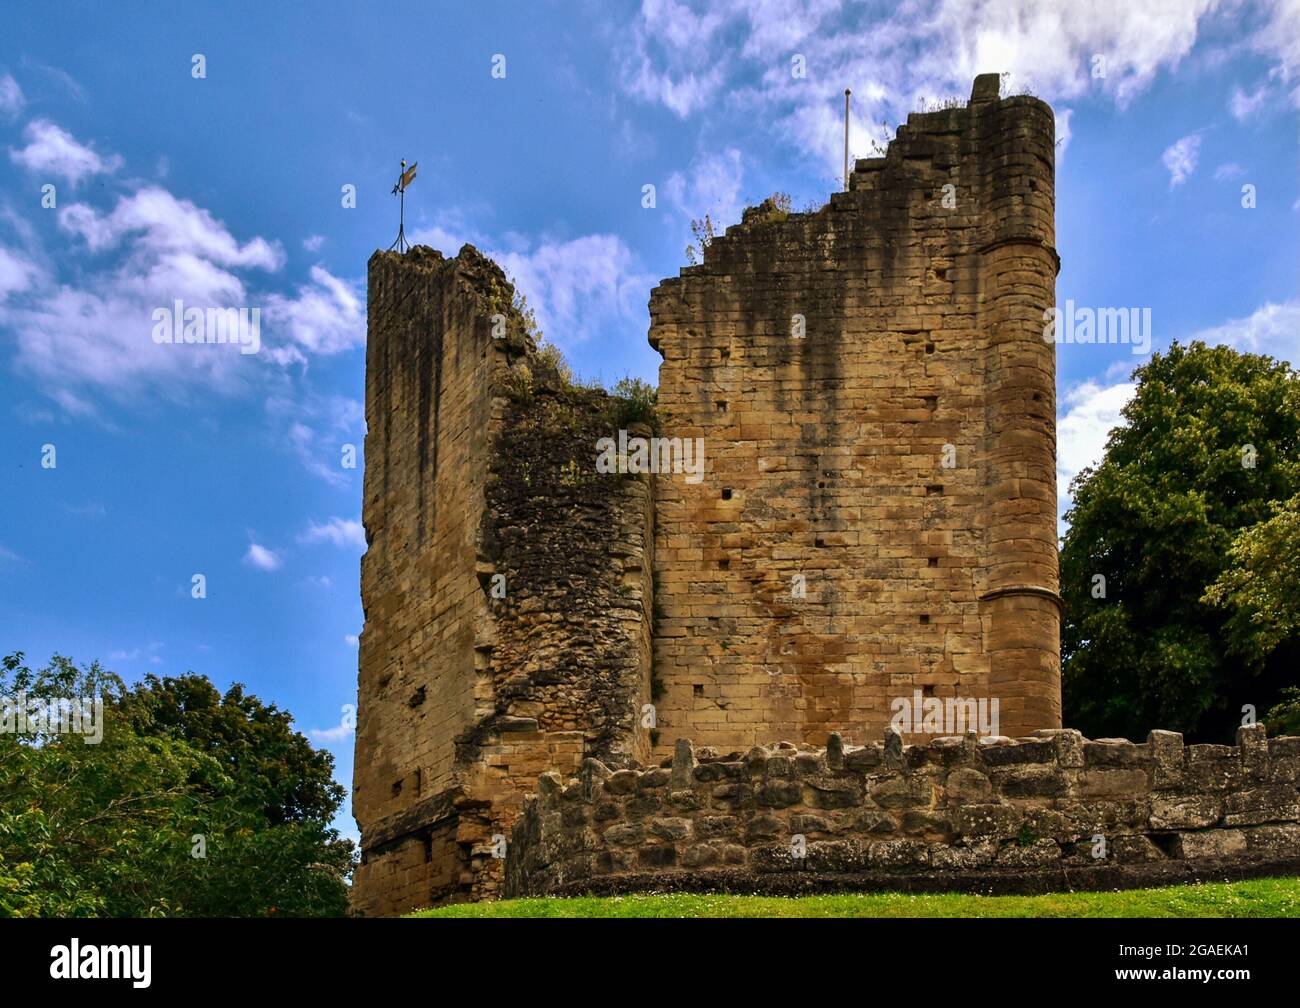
{"type": "Point", "coordinates": [112, 829]}
{"type": "Point", "coordinates": [278, 775]}
{"type": "Point", "coordinates": [1260, 586]}
{"type": "Point", "coordinates": [1206, 456]}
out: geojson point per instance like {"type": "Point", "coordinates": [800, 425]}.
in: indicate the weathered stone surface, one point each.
{"type": "Point", "coordinates": [1112, 754]}
{"type": "Point", "coordinates": [779, 794]}
{"type": "Point", "coordinates": [1184, 812]}
{"type": "Point", "coordinates": [966, 786]}
{"type": "Point", "coordinates": [1037, 854]}
{"type": "Point", "coordinates": [1017, 753]}
{"type": "Point", "coordinates": [699, 855]}
{"type": "Point", "coordinates": [468, 693]}
{"type": "Point", "coordinates": [978, 821]}
{"type": "Point", "coordinates": [1276, 803]}
{"type": "Point", "coordinates": [1101, 783]}
{"type": "Point", "coordinates": [1033, 782]}
{"type": "Point", "coordinates": [1211, 843]}
{"type": "Point", "coordinates": [979, 855]}
{"type": "Point", "coordinates": [1135, 849]}
{"type": "Point", "coordinates": [1168, 759]}
{"type": "Point", "coordinates": [893, 758]}
{"type": "Point", "coordinates": [708, 826]}
{"type": "Point", "coordinates": [1252, 740]}
{"type": "Point", "coordinates": [1275, 841]}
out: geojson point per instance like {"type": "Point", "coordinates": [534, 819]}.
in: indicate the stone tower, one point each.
{"type": "Point", "coordinates": [877, 517]}
{"type": "Point", "coordinates": [878, 404]}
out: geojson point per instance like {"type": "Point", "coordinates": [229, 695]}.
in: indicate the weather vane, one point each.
{"type": "Point", "coordinates": [404, 180]}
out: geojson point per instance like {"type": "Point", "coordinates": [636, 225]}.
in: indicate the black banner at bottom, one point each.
{"type": "Point", "coordinates": [332, 957]}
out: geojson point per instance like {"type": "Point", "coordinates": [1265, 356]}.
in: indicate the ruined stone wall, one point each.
{"type": "Point", "coordinates": [567, 645]}
{"type": "Point", "coordinates": [506, 589]}
{"type": "Point", "coordinates": [1040, 813]}
{"type": "Point", "coordinates": [429, 366]}
{"type": "Point", "coordinates": [897, 453]}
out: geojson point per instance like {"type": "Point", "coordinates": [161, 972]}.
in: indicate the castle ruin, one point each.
{"type": "Point", "coordinates": [876, 518]}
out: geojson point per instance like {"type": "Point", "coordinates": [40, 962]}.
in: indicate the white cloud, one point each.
{"type": "Point", "coordinates": [581, 288]}
{"type": "Point", "coordinates": [148, 653]}
{"type": "Point", "coordinates": [262, 558]}
{"type": "Point", "coordinates": [653, 68]}
{"type": "Point", "coordinates": [94, 334]}
{"type": "Point", "coordinates": [736, 54]}
{"type": "Point", "coordinates": [1272, 329]}
{"type": "Point", "coordinates": [16, 273]}
{"type": "Point", "coordinates": [711, 185]}
{"type": "Point", "coordinates": [351, 640]}
{"type": "Point", "coordinates": [338, 733]}
{"type": "Point", "coordinates": [315, 428]}
{"type": "Point", "coordinates": [1229, 170]}
{"type": "Point", "coordinates": [164, 225]}
{"type": "Point", "coordinates": [326, 316]}
{"type": "Point", "coordinates": [446, 238]}
{"type": "Point", "coordinates": [11, 96]}
{"type": "Point", "coordinates": [1091, 411]}
{"type": "Point", "coordinates": [313, 243]}
{"type": "Point", "coordinates": [1180, 158]}
{"type": "Point", "coordinates": [339, 531]}
{"type": "Point", "coordinates": [1245, 106]}
{"type": "Point", "coordinates": [1279, 38]}
{"type": "Point", "coordinates": [54, 152]}
{"type": "Point", "coordinates": [346, 414]}
{"type": "Point", "coordinates": [53, 74]}
{"type": "Point", "coordinates": [1063, 133]}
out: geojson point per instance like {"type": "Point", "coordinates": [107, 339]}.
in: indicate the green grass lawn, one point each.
{"type": "Point", "coordinates": [1278, 897]}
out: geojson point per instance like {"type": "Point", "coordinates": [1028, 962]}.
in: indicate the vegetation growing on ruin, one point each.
{"type": "Point", "coordinates": [633, 402]}
{"type": "Point", "coordinates": [775, 208]}
{"type": "Point", "coordinates": [703, 231]}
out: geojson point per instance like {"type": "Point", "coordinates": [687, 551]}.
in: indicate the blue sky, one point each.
{"type": "Point", "coordinates": [226, 189]}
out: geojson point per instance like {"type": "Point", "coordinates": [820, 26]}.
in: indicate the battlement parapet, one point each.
{"type": "Point", "coordinates": [996, 814]}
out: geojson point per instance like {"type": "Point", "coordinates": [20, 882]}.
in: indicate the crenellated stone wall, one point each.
{"type": "Point", "coordinates": [1049, 811]}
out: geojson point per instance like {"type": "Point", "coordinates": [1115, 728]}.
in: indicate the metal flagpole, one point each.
{"type": "Point", "coordinates": [847, 92]}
